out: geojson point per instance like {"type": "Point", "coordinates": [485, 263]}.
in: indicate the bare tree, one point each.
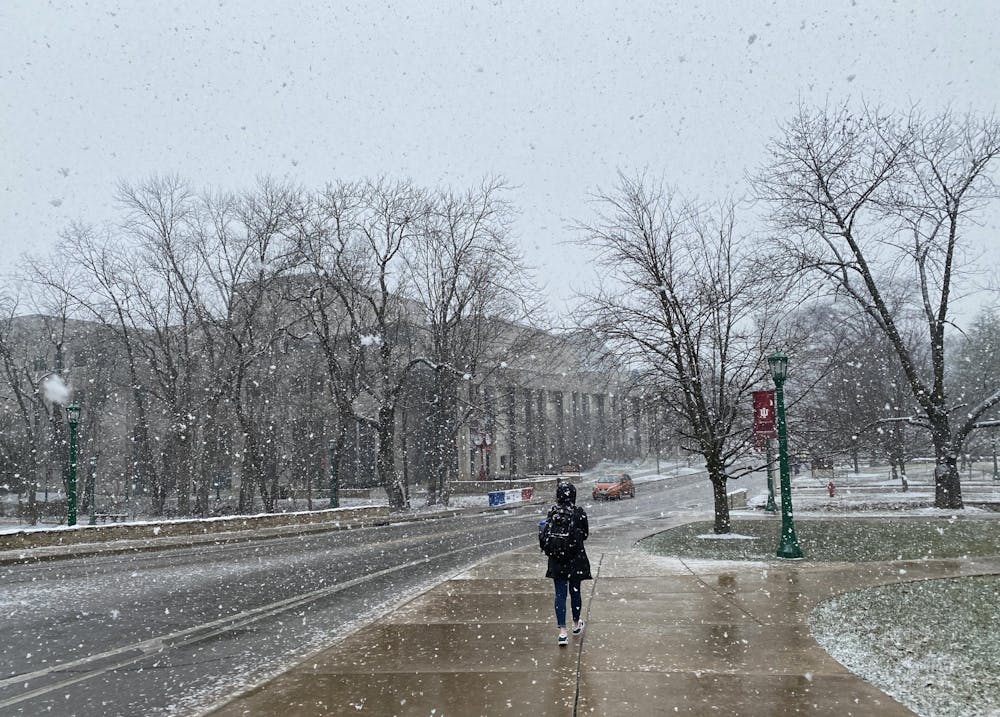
{"type": "Point", "coordinates": [688, 310]}
{"type": "Point", "coordinates": [867, 200]}
{"type": "Point", "coordinates": [131, 284]}
{"type": "Point", "coordinates": [404, 293]}
{"type": "Point", "coordinates": [852, 390]}
{"type": "Point", "coordinates": [390, 217]}
{"type": "Point", "coordinates": [468, 281]}
{"type": "Point", "coordinates": [185, 287]}
{"type": "Point", "coordinates": [351, 242]}
{"type": "Point", "coordinates": [245, 246]}
{"type": "Point", "coordinates": [106, 293]}
{"type": "Point", "coordinates": [159, 226]}
{"type": "Point", "coordinates": [975, 366]}
{"type": "Point", "coordinates": [47, 350]}
{"type": "Point", "coordinates": [24, 437]}
{"type": "Point", "coordinates": [329, 300]}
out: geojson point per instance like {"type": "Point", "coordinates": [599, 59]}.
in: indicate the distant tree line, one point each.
{"type": "Point", "coordinates": [198, 309]}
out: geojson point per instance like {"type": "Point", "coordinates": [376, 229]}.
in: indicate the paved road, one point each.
{"type": "Point", "coordinates": [170, 632]}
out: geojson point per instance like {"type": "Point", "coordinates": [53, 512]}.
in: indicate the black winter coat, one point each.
{"type": "Point", "coordinates": [578, 567]}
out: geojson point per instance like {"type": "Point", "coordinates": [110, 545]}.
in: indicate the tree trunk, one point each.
{"type": "Point", "coordinates": [385, 462]}
{"type": "Point", "coordinates": [206, 467]}
{"type": "Point", "coordinates": [269, 471]}
{"type": "Point", "coordinates": [344, 421]}
{"type": "Point", "coordinates": [723, 524]}
{"type": "Point", "coordinates": [204, 485]}
{"type": "Point", "coordinates": [176, 471]}
{"type": "Point", "coordinates": [145, 476]}
{"type": "Point", "coordinates": [249, 472]}
{"type": "Point", "coordinates": [717, 477]}
{"type": "Point", "coordinates": [897, 459]}
{"type": "Point", "coordinates": [947, 482]}
{"type": "Point", "coordinates": [444, 420]}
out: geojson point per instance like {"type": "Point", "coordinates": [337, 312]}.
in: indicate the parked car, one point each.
{"type": "Point", "coordinates": [614, 487]}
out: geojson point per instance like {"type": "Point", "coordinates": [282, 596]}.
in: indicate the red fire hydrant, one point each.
{"type": "Point", "coordinates": [830, 488]}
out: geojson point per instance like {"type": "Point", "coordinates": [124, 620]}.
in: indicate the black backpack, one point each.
{"type": "Point", "coordinates": [560, 537]}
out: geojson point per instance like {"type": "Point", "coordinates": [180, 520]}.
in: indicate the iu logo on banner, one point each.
{"type": "Point", "coordinates": [764, 419]}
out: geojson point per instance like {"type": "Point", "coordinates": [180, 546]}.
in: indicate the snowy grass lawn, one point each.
{"type": "Point", "coordinates": [933, 645]}
{"type": "Point", "coordinates": [841, 539]}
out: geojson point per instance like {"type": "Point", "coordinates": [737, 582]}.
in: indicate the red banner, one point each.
{"type": "Point", "coordinates": [764, 418]}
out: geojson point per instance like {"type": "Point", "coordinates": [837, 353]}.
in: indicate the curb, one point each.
{"type": "Point", "coordinates": [126, 546]}
{"type": "Point", "coordinates": [121, 547]}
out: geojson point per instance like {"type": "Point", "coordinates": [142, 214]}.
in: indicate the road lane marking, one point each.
{"type": "Point", "coordinates": [190, 635]}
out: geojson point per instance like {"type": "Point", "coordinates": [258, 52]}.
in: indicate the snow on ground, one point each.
{"type": "Point", "coordinates": [255, 671]}
{"type": "Point", "coordinates": [13, 525]}
{"type": "Point", "coordinates": [930, 644]}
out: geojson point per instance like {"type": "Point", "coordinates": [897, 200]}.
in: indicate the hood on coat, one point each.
{"type": "Point", "coordinates": [566, 494]}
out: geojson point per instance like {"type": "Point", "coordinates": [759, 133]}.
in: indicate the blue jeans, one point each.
{"type": "Point", "coordinates": [575, 599]}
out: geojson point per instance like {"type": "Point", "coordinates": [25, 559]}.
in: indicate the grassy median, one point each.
{"type": "Point", "coordinates": [836, 539]}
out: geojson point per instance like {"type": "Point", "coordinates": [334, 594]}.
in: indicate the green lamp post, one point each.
{"type": "Point", "coordinates": [788, 547]}
{"type": "Point", "coordinates": [73, 418]}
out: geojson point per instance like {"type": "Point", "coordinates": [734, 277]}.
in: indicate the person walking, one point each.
{"type": "Point", "coordinates": [561, 538]}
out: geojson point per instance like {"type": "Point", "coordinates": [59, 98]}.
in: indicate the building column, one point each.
{"type": "Point", "coordinates": [593, 440]}
{"type": "Point", "coordinates": [576, 446]}
{"type": "Point", "coordinates": [530, 432]}
{"type": "Point", "coordinates": [541, 417]}
{"type": "Point", "coordinates": [559, 409]}
{"type": "Point", "coordinates": [510, 397]}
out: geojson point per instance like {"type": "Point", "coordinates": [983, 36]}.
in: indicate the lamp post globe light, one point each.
{"type": "Point", "coordinates": [73, 418]}
{"type": "Point", "coordinates": [788, 547]}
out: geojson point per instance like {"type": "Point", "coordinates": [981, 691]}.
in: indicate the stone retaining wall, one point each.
{"type": "Point", "coordinates": [335, 518]}
{"type": "Point", "coordinates": [321, 494]}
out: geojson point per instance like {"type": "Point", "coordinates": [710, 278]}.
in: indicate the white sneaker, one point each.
{"type": "Point", "coordinates": [579, 628]}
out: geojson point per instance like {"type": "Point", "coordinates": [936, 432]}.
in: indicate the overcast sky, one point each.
{"type": "Point", "coordinates": [554, 96]}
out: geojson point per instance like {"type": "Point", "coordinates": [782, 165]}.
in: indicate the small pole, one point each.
{"type": "Point", "coordinates": [656, 423]}
{"type": "Point", "coordinates": [72, 417]}
{"type": "Point", "coordinates": [996, 474]}
{"type": "Point", "coordinates": [91, 481]}
{"type": "Point", "coordinates": [334, 487]}
{"type": "Point", "coordinates": [771, 507]}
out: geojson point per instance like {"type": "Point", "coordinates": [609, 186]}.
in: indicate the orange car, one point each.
{"type": "Point", "coordinates": [614, 487]}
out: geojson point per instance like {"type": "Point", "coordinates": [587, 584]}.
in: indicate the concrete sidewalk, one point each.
{"type": "Point", "coordinates": [663, 636]}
